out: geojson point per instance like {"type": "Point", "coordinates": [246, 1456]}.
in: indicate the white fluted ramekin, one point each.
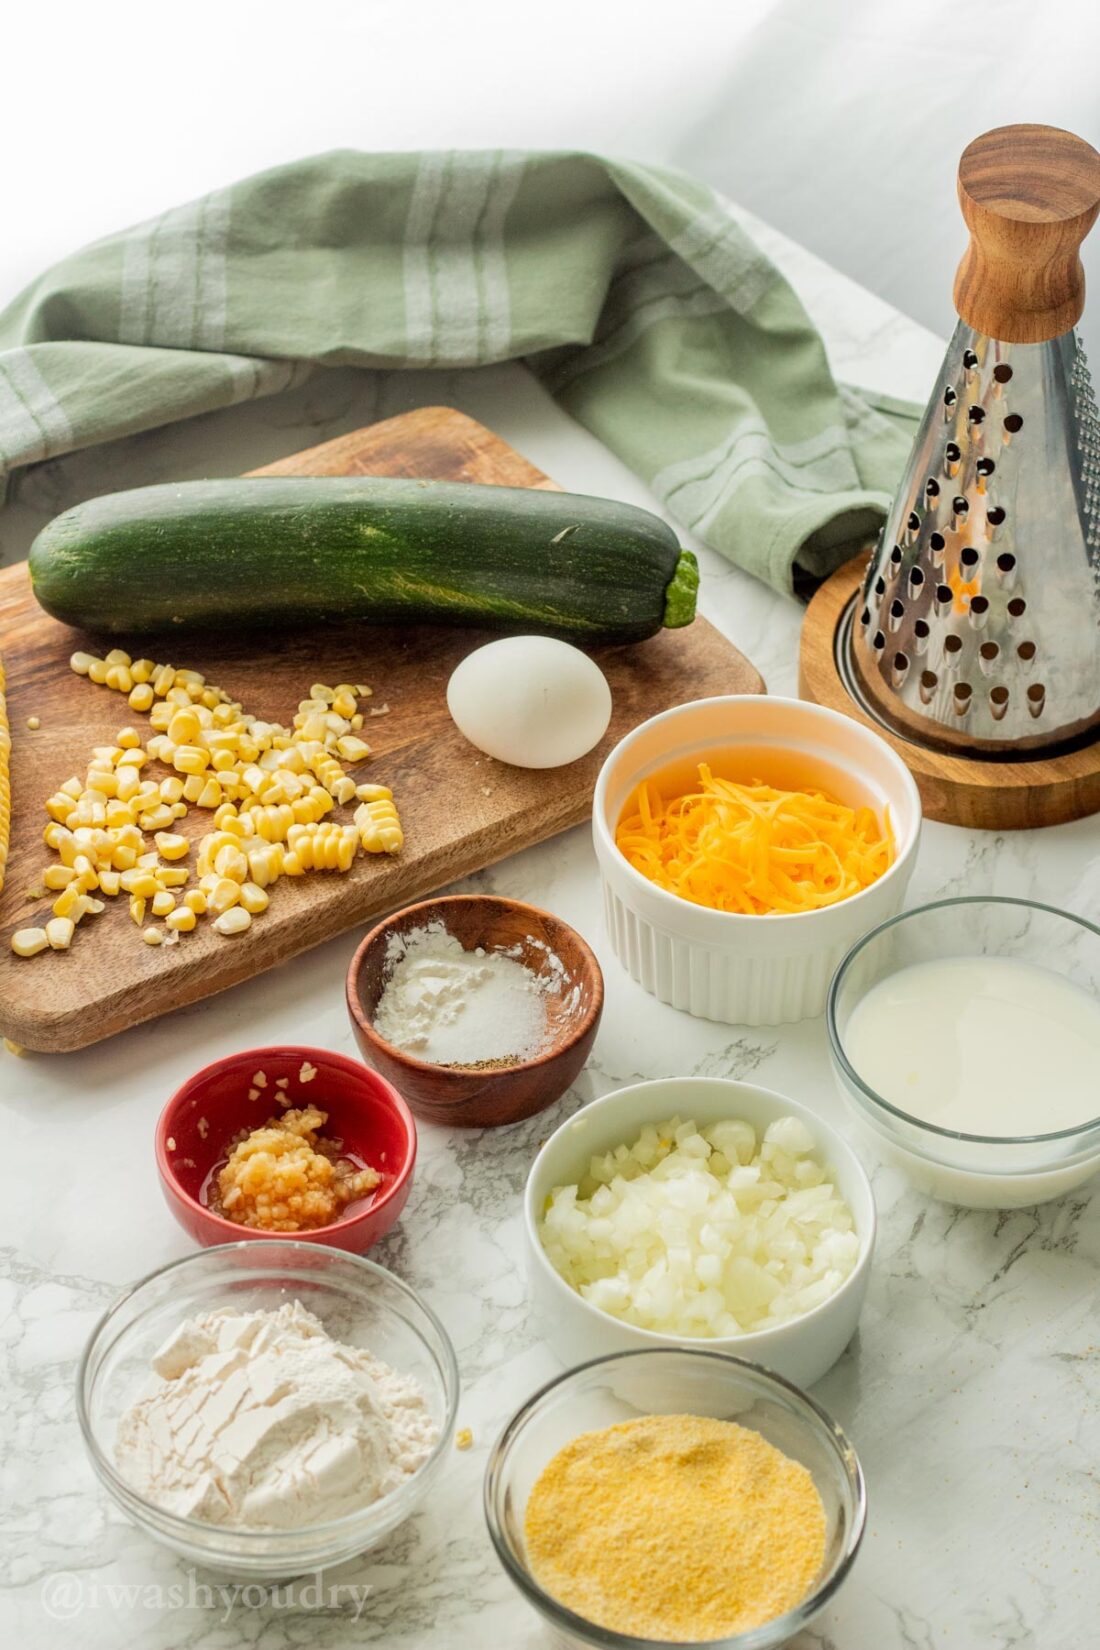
{"type": "Point", "coordinates": [719, 965]}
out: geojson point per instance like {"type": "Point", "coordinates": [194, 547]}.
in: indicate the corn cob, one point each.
{"type": "Point", "coordinates": [5, 777]}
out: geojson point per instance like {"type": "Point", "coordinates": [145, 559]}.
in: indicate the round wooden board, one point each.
{"type": "Point", "coordinates": [988, 796]}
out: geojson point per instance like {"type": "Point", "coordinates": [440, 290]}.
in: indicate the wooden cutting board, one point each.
{"type": "Point", "coordinates": [461, 811]}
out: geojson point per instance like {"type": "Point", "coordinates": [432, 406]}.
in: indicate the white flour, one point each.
{"type": "Point", "coordinates": [262, 1421]}
{"type": "Point", "coordinates": [460, 1008]}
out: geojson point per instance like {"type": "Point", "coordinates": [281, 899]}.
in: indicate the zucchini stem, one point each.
{"type": "Point", "coordinates": [681, 592]}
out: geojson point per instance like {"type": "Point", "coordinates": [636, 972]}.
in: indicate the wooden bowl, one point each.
{"type": "Point", "coordinates": [479, 1099]}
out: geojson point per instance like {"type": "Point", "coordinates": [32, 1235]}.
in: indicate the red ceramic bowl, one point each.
{"type": "Point", "coordinates": [364, 1111]}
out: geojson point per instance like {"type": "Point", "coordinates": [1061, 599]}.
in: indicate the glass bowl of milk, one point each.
{"type": "Point", "coordinates": [965, 1038]}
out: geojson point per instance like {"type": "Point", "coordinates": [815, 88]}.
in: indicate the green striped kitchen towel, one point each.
{"type": "Point", "coordinates": [629, 290]}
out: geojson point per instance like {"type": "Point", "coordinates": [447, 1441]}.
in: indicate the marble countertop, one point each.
{"type": "Point", "coordinates": [970, 1391]}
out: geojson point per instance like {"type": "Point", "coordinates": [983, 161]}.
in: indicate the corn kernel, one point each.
{"type": "Point", "coordinates": [118, 677]}
{"type": "Point", "coordinates": [225, 893]}
{"type": "Point", "coordinates": [172, 846]}
{"type": "Point", "coordinates": [81, 663]}
{"type": "Point", "coordinates": [155, 819]}
{"type": "Point", "coordinates": [58, 876]}
{"type": "Point", "coordinates": [152, 936]}
{"type": "Point", "coordinates": [195, 900]}
{"type": "Point", "coordinates": [140, 882]}
{"type": "Point", "coordinates": [182, 920]}
{"type": "Point", "coordinates": [117, 656]}
{"type": "Point", "coordinates": [59, 932]}
{"type": "Point", "coordinates": [109, 882]}
{"type": "Point", "coordinates": [28, 942]}
{"type": "Point", "coordinates": [173, 876]}
{"type": "Point", "coordinates": [233, 921]}
{"type": "Point", "coordinates": [190, 758]}
{"type": "Point", "coordinates": [142, 669]}
{"type": "Point", "coordinates": [66, 901]}
{"type": "Point", "coordinates": [253, 898]}
{"type": "Point", "coordinates": [185, 727]}
{"type": "Point", "coordinates": [230, 862]}
{"type": "Point", "coordinates": [163, 902]}
{"type": "Point", "coordinates": [137, 910]}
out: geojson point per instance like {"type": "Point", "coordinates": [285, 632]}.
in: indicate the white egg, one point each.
{"type": "Point", "coordinates": [531, 701]}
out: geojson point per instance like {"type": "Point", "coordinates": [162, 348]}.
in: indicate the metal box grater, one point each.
{"type": "Point", "coordinates": [977, 628]}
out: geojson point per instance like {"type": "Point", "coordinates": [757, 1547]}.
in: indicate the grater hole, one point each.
{"type": "Point", "coordinates": [932, 488]}
{"type": "Point", "coordinates": [916, 579]}
{"type": "Point", "coordinates": [989, 651]}
{"type": "Point", "coordinates": [976, 415]}
{"type": "Point", "coordinates": [899, 669]}
{"type": "Point", "coordinates": [998, 702]}
{"type": "Point", "coordinates": [968, 557]}
{"type": "Point", "coordinates": [921, 630]}
{"type": "Point", "coordinates": [952, 647]}
{"type": "Point", "coordinates": [1036, 698]}
{"type": "Point", "coordinates": [937, 544]}
{"type": "Point", "coordinates": [961, 695]}
{"type": "Point", "coordinates": [950, 396]}
{"type": "Point", "coordinates": [929, 682]}
{"type": "Point", "coordinates": [880, 586]}
{"type": "Point", "coordinates": [896, 555]}
{"type": "Point", "coordinates": [960, 506]}
{"type": "Point", "coordinates": [1026, 653]}
{"type": "Point", "coordinates": [878, 641]}
{"type": "Point", "coordinates": [913, 523]}
{"type": "Point", "coordinates": [897, 609]}
{"type": "Point", "coordinates": [970, 360]}
{"type": "Point", "coordinates": [995, 516]}
{"type": "Point", "coordinates": [985, 468]}
{"type": "Point", "coordinates": [1002, 372]}
{"type": "Point", "coordinates": [1017, 607]}
{"type": "Point", "coordinates": [1014, 423]}
{"type": "Point", "coordinates": [979, 609]}
{"type": "Point", "coordinates": [865, 616]}
{"type": "Point", "coordinates": [952, 452]}
{"type": "Point", "coordinates": [944, 595]}
{"type": "Point", "coordinates": [1006, 561]}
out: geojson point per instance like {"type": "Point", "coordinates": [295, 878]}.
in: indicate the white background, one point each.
{"type": "Point", "coordinates": [839, 121]}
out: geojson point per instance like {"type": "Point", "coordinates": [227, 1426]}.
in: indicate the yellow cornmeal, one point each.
{"type": "Point", "coordinates": [675, 1527]}
{"type": "Point", "coordinates": [284, 1177]}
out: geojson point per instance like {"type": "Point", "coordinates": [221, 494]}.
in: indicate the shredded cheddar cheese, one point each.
{"type": "Point", "coordinates": [752, 848]}
{"type": "Point", "coordinates": [675, 1527]}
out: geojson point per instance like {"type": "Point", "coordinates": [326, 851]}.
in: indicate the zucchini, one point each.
{"type": "Point", "coordinates": [265, 553]}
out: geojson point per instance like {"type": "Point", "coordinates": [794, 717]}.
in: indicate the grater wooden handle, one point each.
{"type": "Point", "coordinates": [1030, 195]}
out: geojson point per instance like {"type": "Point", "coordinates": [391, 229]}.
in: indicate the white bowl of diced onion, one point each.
{"type": "Point", "coordinates": [705, 1252]}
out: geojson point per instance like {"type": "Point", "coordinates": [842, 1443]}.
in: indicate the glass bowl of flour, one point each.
{"type": "Point", "coordinates": [268, 1409]}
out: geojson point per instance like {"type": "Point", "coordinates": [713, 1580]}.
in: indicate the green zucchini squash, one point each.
{"type": "Point", "coordinates": [266, 553]}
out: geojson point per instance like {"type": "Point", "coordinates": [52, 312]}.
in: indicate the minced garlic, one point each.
{"type": "Point", "coordinates": [675, 1527]}
{"type": "Point", "coordinates": [285, 1177]}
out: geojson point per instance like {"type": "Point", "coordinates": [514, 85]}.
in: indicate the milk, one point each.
{"type": "Point", "coordinates": [982, 1045]}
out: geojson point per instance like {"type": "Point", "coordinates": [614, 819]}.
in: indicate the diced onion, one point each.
{"type": "Point", "coordinates": [703, 1232]}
